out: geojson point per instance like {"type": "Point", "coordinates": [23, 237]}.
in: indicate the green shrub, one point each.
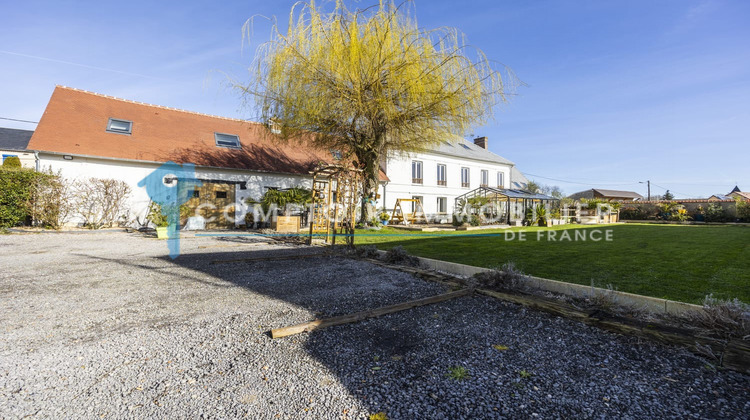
{"type": "Point", "coordinates": [285, 199]}
{"type": "Point", "coordinates": [12, 162]}
{"type": "Point", "coordinates": [673, 211]}
{"type": "Point", "coordinates": [541, 215]}
{"type": "Point", "coordinates": [639, 212]}
{"type": "Point", "coordinates": [15, 193]}
{"type": "Point", "coordinates": [743, 211]}
{"type": "Point", "coordinates": [475, 220]}
{"type": "Point", "coordinates": [157, 216]}
{"type": "Point", "coordinates": [715, 213]}
{"type": "Point", "coordinates": [460, 219]}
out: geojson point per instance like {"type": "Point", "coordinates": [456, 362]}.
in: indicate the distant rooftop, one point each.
{"type": "Point", "coordinates": [599, 192]}
{"type": "Point", "coordinates": [14, 139]}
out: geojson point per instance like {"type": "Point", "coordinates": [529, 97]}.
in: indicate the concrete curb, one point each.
{"type": "Point", "coordinates": [648, 303]}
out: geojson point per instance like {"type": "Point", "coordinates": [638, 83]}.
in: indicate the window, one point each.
{"type": "Point", "coordinates": [8, 156]}
{"type": "Point", "coordinates": [441, 179]}
{"type": "Point", "coordinates": [500, 180]}
{"type": "Point", "coordinates": [336, 154]}
{"type": "Point", "coordinates": [464, 177]}
{"type": "Point", "coordinates": [196, 194]}
{"type": "Point", "coordinates": [119, 126]}
{"type": "Point", "coordinates": [414, 206]}
{"type": "Point", "coordinates": [416, 172]}
{"type": "Point", "coordinates": [221, 194]}
{"type": "Point", "coordinates": [485, 178]}
{"type": "Point", "coordinates": [442, 205]}
{"type": "Point", "coordinates": [227, 140]}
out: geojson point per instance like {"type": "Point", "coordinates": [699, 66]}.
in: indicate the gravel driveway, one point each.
{"type": "Point", "coordinates": [105, 325]}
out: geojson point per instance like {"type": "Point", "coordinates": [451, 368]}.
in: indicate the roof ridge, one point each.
{"type": "Point", "coordinates": [155, 106]}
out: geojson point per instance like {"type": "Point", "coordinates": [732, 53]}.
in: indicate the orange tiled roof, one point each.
{"type": "Point", "coordinates": [75, 123]}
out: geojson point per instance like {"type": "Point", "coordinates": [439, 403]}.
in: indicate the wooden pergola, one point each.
{"type": "Point", "coordinates": [335, 195]}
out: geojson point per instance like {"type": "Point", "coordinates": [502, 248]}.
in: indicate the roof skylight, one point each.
{"type": "Point", "coordinates": [119, 126]}
{"type": "Point", "coordinates": [227, 140]}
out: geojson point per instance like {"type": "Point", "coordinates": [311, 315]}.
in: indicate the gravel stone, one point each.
{"type": "Point", "coordinates": [107, 325]}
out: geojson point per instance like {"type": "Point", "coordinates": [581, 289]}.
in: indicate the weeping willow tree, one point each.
{"type": "Point", "coordinates": [371, 82]}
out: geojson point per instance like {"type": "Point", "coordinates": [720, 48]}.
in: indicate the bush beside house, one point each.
{"type": "Point", "coordinates": [48, 200]}
{"type": "Point", "coordinates": [12, 162]}
{"type": "Point", "coordinates": [15, 193]}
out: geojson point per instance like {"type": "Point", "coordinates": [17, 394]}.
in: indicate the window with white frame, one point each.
{"type": "Point", "coordinates": [441, 178]}
{"type": "Point", "coordinates": [465, 178]}
{"type": "Point", "coordinates": [416, 172]}
{"type": "Point", "coordinates": [485, 175]}
{"type": "Point", "coordinates": [500, 180]}
{"type": "Point", "coordinates": [442, 205]}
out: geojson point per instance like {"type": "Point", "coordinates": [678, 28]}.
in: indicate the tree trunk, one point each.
{"type": "Point", "coordinates": [369, 162]}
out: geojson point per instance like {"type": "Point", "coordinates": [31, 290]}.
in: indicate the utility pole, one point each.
{"type": "Point", "coordinates": [648, 184]}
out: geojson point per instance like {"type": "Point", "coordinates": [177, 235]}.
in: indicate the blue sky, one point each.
{"type": "Point", "coordinates": [618, 92]}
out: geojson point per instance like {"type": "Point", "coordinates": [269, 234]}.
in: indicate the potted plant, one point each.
{"type": "Point", "coordinates": [384, 217]}
{"type": "Point", "coordinates": [541, 215]}
{"type": "Point", "coordinates": [556, 216]}
{"type": "Point", "coordinates": [158, 216]}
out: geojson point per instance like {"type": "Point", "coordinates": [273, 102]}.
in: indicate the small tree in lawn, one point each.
{"type": "Point", "coordinates": [668, 196]}
{"type": "Point", "coordinates": [371, 82]}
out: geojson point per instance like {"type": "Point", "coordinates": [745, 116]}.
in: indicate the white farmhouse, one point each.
{"type": "Point", "coordinates": [436, 177]}
{"type": "Point", "coordinates": [85, 134]}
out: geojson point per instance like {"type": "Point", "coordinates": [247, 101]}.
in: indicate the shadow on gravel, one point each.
{"type": "Point", "coordinates": [518, 362]}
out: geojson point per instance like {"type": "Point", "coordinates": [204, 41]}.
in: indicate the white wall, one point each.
{"type": "Point", "coordinates": [132, 172]}
{"type": "Point", "coordinates": [27, 159]}
{"type": "Point", "coordinates": [400, 186]}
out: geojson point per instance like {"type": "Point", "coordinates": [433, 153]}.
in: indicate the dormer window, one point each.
{"type": "Point", "coordinates": [227, 140]}
{"type": "Point", "coordinates": [336, 154]}
{"type": "Point", "coordinates": [275, 127]}
{"type": "Point", "coordinates": [119, 126]}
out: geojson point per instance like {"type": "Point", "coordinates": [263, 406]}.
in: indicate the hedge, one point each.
{"type": "Point", "coordinates": [15, 191]}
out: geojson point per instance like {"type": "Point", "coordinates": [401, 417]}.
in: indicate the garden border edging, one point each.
{"type": "Point", "coordinates": [652, 304]}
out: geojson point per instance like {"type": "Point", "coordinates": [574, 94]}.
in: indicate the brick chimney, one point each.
{"type": "Point", "coordinates": [481, 142]}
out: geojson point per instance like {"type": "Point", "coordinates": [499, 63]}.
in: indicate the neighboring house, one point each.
{"type": "Point", "coordinates": [736, 193]}
{"type": "Point", "coordinates": [86, 135]}
{"type": "Point", "coordinates": [719, 197]}
{"type": "Point", "coordinates": [14, 142]}
{"type": "Point", "coordinates": [439, 175]}
{"type": "Point", "coordinates": [609, 195]}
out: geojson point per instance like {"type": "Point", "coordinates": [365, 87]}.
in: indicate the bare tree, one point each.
{"type": "Point", "coordinates": [101, 202]}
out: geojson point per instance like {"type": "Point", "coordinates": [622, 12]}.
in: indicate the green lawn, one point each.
{"type": "Point", "coordinates": [678, 262]}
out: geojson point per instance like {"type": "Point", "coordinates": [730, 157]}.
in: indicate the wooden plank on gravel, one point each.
{"type": "Point", "coordinates": [278, 257]}
{"type": "Point", "coordinates": [359, 316]}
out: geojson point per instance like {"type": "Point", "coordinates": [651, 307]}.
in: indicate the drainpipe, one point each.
{"type": "Point", "coordinates": [385, 184]}
{"type": "Point", "coordinates": [36, 160]}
